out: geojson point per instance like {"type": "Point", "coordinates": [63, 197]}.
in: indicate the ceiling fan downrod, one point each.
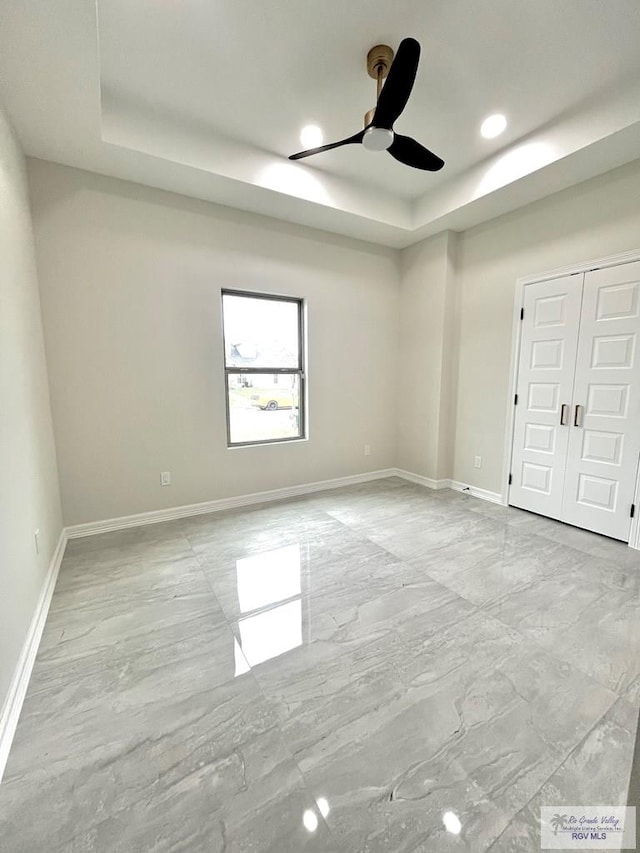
{"type": "Point", "coordinates": [379, 61]}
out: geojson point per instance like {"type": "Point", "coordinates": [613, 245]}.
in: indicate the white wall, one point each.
{"type": "Point", "coordinates": [29, 497]}
{"type": "Point", "coordinates": [130, 281]}
{"type": "Point", "coordinates": [130, 284]}
{"type": "Point", "coordinates": [597, 218]}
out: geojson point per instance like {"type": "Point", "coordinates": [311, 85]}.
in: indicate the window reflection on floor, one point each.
{"type": "Point", "coordinates": [268, 578]}
{"type": "Point", "coordinates": [272, 632]}
{"type": "Point", "coordinates": [270, 599]}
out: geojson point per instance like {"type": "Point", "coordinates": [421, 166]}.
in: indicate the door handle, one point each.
{"type": "Point", "coordinates": [564, 411]}
{"type": "Point", "coordinates": [576, 416]}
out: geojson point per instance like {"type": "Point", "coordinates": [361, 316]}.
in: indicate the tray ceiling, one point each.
{"type": "Point", "coordinates": [208, 99]}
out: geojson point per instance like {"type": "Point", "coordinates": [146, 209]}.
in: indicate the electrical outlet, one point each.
{"type": "Point", "coordinates": [477, 462]}
{"type": "Point", "coordinates": [165, 478]}
{"type": "Point", "coordinates": [367, 450]}
{"type": "Point", "coordinates": [36, 540]}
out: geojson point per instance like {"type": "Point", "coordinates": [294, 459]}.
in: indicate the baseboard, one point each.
{"type": "Point", "coordinates": [474, 491]}
{"type": "Point", "coordinates": [91, 528]}
{"type": "Point", "coordinates": [427, 482]}
{"type": "Point", "coordinates": [155, 516]}
{"type": "Point", "coordinates": [18, 689]}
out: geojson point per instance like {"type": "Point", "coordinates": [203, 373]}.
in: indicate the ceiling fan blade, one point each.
{"type": "Point", "coordinates": [411, 153]}
{"type": "Point", "coordinates": [398, 85]}
{"type": "Point", "coordinates": [350, 141]}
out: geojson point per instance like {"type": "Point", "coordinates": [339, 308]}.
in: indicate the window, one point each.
{"type": "Point", "coordinates": [263, 358]}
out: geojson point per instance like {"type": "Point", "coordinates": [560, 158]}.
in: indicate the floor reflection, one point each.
{"type": "Point", "coordinates": [323, 805]}
{"type": "Point", "coordinates": [271, 633]}
{"type": "Point", "coordinates": [270, 600]}
{"type": "Point", "coordinates": [268, 578]}
{"type": "Point", "coordinates": [310, 820]}
{"type": "Point", "coordinates": [452, 823]}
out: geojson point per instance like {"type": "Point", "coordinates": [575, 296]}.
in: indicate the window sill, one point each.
{"type": "Point", "coordinates": [280, 443]}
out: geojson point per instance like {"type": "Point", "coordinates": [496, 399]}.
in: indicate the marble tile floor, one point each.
{"type": "Point", "coordinates": [376, 668]}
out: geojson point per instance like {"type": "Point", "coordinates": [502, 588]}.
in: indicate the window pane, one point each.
{"type": "Point", "coordinates": [263, 407]}
{"type": "Point", "coordinates": [260, 332]}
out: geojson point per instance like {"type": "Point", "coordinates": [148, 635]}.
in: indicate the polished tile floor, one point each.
{"type": "Point", "coordinates": [377, 668]}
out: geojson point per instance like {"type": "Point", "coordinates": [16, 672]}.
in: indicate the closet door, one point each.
{"type": "Point", "coordinates": [548, 350]}
{"type": "Point", "coordinates": [604, 443]}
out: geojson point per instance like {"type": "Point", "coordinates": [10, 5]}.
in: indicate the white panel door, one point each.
{"type": "Point", "coordinates": [548, 348]}
{"type": "Point", "coordinates": [604, 438]}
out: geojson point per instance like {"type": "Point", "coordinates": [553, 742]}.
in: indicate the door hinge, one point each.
{"type": "Point", "coordinates": [510, 479]}
{"type": "Point", "coordinates": [522, 313]}
{"type": "Point", "coordinates": [633, 510]}
{"type": "Point", "coordinates": [515, 400]}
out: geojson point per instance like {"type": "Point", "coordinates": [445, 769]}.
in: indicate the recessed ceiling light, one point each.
{"type": "Point", "coordinates": [311, 136]}
{"type": "Point", "coordinates": [493, 126]}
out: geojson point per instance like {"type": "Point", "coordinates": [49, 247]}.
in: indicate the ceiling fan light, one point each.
{"type": "Point", "coordinates": [377, 138]}
{"type": "Point", "coordinates": [493, 126]}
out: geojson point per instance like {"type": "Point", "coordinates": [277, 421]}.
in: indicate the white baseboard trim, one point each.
{"type": "Point", "coordinates": [18, 689]}
{"type": "Point", "coordinates": [427, 482]}
{"type": "Point", "coordinates": [91, 528]}
{"type": "Point", "coordinates": [474, 491]}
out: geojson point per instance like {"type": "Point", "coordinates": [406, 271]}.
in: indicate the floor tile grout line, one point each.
{"type": "Point", "coordinates": [435, 580]}
{"type": "Point", "coordinates": [265, 699]}
{"type": "Point", "coordinates": [550, 651]}
{"type": "Point", "coordinates": [482, 608]}
{"type": "Point", "coordinates": [551, 539]}
{"type": "Point", "coordinates": [269, 704]}
{"type": "Point", "coordinates": [563, 761]}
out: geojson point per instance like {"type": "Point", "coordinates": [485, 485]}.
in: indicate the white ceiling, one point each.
{"type": "Point", "coordinates": [207, 98]}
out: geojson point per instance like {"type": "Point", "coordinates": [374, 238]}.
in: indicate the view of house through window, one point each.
{"type": "Point", "coordinates": [263, 351]}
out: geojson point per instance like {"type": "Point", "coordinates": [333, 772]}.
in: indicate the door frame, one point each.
{"type": "Point", "coordinates": [521, 283]}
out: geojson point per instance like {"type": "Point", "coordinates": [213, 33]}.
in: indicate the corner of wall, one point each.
{"type": "Point", "coordinates": [450, 359]}
{"type": "Point", "coordinates": [429, 336]}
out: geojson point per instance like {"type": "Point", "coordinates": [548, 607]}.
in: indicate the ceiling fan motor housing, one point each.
{"type": "Point", "coordinates": [377, 138]}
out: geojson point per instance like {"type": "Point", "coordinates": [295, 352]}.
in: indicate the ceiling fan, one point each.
{"type": "Point", "coordinates": [378, 133]}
